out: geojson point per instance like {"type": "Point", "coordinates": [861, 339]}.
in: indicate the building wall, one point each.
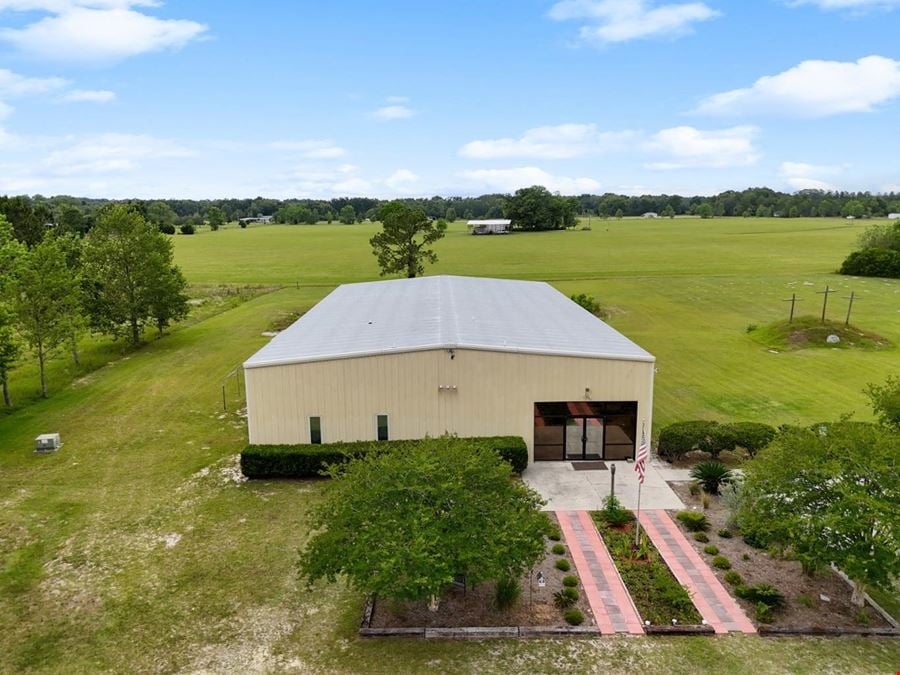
{"type": "Point", "coordinates": [495, 394]}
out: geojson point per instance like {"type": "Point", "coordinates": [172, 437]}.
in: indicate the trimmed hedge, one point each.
{"type": "Point", "coordinates": [713, 438]}
{"type": "Point", "coordinates": [310, 461]}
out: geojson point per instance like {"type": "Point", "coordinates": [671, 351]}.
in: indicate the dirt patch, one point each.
{"type": "Point", "coordinates": [805, 606]}
{"type": "Point", "coordinates": [475, 606]}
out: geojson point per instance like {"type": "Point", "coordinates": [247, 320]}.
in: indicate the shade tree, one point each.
{"type": "Point", "coordinates": [403, 245]}
{"type": "Point", "coordinates": [405, 524]}
{"type": "Point", "coordinates": [129, 275]}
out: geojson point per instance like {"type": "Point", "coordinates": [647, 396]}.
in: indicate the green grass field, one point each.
{"type": "Point", "coordinates": [136, 549]}
{"type": "Point", "coordinates": [685, 289]}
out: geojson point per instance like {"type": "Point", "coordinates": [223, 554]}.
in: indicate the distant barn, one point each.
{"type": "Point", "coordinates": [258, 219]}
{"type": "Point", "coordinates": [490, 226]}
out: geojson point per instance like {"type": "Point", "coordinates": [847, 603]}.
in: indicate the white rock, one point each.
{"type": "Point", "coordinates": [824, 598]}
{"type": "Point", "coordinates": [832, 339]}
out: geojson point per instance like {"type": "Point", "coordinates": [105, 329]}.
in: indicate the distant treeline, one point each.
{"type": "Point", "coordinates": [77, 214]}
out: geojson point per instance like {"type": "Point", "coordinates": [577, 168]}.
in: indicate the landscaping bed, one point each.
{"type": "Point", "coordinates": [471, 607]}
{"type": "Point", "coordinates": [804, 606]}
{"type": "Point", "coordinates": [657, 595]}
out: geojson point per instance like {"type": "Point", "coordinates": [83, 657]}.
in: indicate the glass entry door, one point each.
{"type": "Point", "coordinates": [574, 438]}
{"type": "Point", "coordinates": [576, 430]}
{"type": "Point", "coordinates": [584, 438]}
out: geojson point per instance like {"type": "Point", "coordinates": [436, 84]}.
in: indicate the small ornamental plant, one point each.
{"type": "Point", "coordinates": [721, 562]}
{"type": "Point", "coordinates": [563, 565]}
{"type": "Point", "coordinates": [711, 549]}
{"type": "Point", "coordinates": [570, 581]}
{"type": "Point", "coordinates": [558, 549]}
{"type": "Point", "coordinates": [574, 617]}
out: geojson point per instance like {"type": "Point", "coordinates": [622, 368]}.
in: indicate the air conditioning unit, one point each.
{"type": "Point", "coordinates": [47, 443]}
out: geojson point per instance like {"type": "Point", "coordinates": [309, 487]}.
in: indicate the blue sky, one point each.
{"type": "Point", "coordinates": [137, 98]}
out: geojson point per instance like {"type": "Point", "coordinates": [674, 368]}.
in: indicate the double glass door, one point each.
{"type": "Point", "coordinates": [584, 438]}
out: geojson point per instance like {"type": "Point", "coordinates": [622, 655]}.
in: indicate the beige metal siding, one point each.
{"type": "Point", "coordinates": [495, 393]}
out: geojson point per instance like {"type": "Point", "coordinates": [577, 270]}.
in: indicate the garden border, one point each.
{"type": "Point", "coordinates": [525, 632]}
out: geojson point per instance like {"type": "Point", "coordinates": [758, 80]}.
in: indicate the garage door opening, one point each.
{"type": "Point", "coordinates": [584, 430]}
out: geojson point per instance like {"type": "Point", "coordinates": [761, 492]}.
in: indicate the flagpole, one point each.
{"type": "Point", "coordinates": [637, 522]}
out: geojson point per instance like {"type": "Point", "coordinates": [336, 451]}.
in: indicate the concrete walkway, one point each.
{"type": "Point", "coordinates": [610, 602]}
{"type": "Point", "coordinates": [715, 605]}
{"type": "Point", "coordinates": [565, 489]}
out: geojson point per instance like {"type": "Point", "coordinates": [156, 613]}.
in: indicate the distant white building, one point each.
{"type": "Point", "coordinates": [490, 226]}
{"type": "Point", "coordinates": [258, 219]}
{"type": "Point", "coordinates": [894, 216]}
{"type": "Point", "coordinates": [650, 214]}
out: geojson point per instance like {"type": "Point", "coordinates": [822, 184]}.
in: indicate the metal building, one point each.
{"type": "Point", "coordinates": [471, 356]}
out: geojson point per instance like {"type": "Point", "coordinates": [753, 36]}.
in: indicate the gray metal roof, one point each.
{"type": "Point", "coordinates": [445, 312]}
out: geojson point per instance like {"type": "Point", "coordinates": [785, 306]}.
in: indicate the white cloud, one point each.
{"type": "Point", "coordinates": [803, 176]}
{"type": "Point", "coordinates": [110, 153]}
{"type": "Point", "coordinates": [393, 112]}
{"type": "Point", "coordinates": [857, 5]}
{"type": "Point", "coordinates": [688, 147]}
{"type": "Point", "coordinates": [12, 84]}
{"type": "Point", "coordinates": [311, 149]}
{"type": "Point", "coordinates": [89, 96]}
{"type": "Point", "coordinates": [814, 89]}
{"type": "Point", "coordinates": [611, 21]}
{"type": "Point", "coordinates": [510, 180]}
{"type": "Point", "coordinates": [96, 30]}
{"type": "Point", "coordinates": [564, 141]}
{"type": "Point", "coordinates": [401, 179]}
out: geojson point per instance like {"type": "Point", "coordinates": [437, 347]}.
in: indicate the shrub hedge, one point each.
{"type": "Point", "coordinates": [309, 461]}
{"type": "Point", "coordinates": [713, 438]}
{"type": "Point", "coordinates": [873, 262]}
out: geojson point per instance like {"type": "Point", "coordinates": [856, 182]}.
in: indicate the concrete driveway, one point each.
{"type": "Point", "coordinates": [565, 489]}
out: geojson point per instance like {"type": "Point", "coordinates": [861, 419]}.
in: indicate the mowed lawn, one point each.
{"type": "Point", "coordinates": [685, 289]}
{"type": "Point", "coordinates": [136, 548]}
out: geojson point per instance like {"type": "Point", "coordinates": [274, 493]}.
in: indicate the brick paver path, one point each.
{"type": "Point", "coordinates": [610, 602]}
{"type": "Point", "coordinates": [720, 610]}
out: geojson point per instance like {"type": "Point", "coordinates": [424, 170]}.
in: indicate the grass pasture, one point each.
{"type": "Point", "coordinates": [138, 548]}
{"type": "Point", "coordinates": [685, 289]}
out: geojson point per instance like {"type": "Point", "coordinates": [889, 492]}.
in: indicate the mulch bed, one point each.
{"type": "Point", "coordinates": [475, 606]}
{"type": "Point", "coordinates": [799, 589]}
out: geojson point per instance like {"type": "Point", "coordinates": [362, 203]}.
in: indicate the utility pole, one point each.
{"type": "Point", "coordinates": [828, 291]}
{"type": "Point", "coordinates": [850, 308]}
{"type": "Point", "coordinates": [793, 300]}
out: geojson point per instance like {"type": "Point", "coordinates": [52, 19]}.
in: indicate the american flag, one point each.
{"type": "Point", "coordinates": [640, 462]}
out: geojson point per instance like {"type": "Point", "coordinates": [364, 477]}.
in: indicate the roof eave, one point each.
{"type": "Point", "coordinates": [271, 363]}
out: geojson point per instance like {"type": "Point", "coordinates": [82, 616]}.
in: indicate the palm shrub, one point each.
{"type": "Point", "coordinates": [765, 593]}
{"type": "Point", "coordinates": [711, 475]}
{"type": "Point", "coordinates": [693, 520]}
{"type": "Point", "coordinates": [565, 598]}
